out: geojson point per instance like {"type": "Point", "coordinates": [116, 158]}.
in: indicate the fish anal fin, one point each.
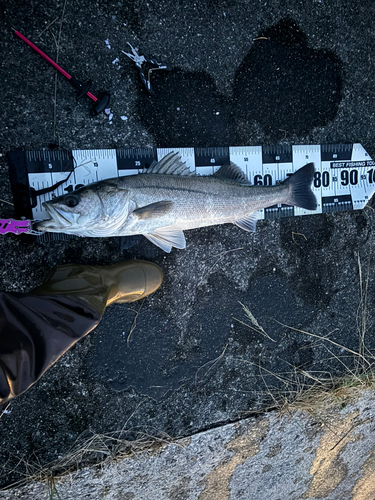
{"type": "Point", "coordinates": [167, 237]}
{"type": "Point", "coordinates": [153, 210]}
{"type": "Point", "coordinates": [158, 242]}
{"type": "Point", "coordinates": [249, 222]}
{"type": "Point", "coordinates": [232, 172]}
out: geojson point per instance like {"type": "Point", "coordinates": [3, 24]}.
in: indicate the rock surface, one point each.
{"type": "Point", "coordinates": [329, 455]}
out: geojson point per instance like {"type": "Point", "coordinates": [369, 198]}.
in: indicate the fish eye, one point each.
{"type": "Point", "coordinates": [71, 200]}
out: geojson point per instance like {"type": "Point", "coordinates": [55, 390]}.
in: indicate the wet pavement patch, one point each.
{"type": "Point", "coordinates": [282, 84]}
{"type": "Point", "coordinates": [131, 352]}
{"type": "Point", "coordinates": [306, 246]}
{"type": "Point", "coordinates": [156, 361]}
{"type": "Point", "coordinates": [286, 86]}
{"type": "Point", "coordinates": [186, 108]}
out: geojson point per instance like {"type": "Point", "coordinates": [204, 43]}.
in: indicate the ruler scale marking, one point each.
{"type": "Point", "coordinates": [344, 177]}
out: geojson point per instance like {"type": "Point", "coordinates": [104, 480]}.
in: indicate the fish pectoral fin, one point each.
{"type": "Point", "coordinates": [167, 237]}
{"type": "Point", "coordinates": [248, 223]}
{"type": "Point", "coordinates": [153, 210]}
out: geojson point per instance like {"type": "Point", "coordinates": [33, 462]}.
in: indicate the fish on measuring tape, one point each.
{"type": "Point", "coordinates": [168, 198]}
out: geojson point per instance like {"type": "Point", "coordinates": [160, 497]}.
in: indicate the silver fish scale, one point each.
{"type": "Point", "coordinates": [161, 206]}
{"type": "Point", "coordinates": [198, 201]}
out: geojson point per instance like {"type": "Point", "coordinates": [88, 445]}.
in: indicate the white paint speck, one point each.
{"type": "Point", "coordinates": [115, 61]}
{"type": "Point", "coordinates": [107, 43]}
{"type": "Point", "coordinates": [124, 118]}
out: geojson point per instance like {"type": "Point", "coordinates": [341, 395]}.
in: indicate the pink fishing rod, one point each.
{"type": "Point", "coordinates": [83, 88]}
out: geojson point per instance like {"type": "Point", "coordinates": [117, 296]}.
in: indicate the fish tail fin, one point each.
{"type": "Point", "coordinates": [300, 193]}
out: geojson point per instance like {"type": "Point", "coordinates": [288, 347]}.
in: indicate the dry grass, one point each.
{"type": "Point", "coordinates": [210, 365]}
{"type": "Point", "coordinates": [321, 396]}
{"type": "Point", "coordinates": [315, 392]}
{"type": "Point", "coordinates": [97, 450]}
{"type": "Point", "coordinates": [258, 328]}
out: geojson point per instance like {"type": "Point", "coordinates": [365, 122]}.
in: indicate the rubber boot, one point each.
{"type": "Point", "coordinates": [36, 328]}
{"type": "Point", "coordinates": [101, 286]}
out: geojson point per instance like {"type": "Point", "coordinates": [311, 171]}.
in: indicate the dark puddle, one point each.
{"type": "Point", "coordinates": [282, 84]}
{"type": "Point", "coordinates": [186, 109]}
{"type": "Point", "coordinates": [156, 361]}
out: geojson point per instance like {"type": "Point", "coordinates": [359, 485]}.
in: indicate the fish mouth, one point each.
{"type": "Point", "coordinates": [57, 221]}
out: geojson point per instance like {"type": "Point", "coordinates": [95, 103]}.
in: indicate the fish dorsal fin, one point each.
{"type": "Point", "coordinates": [167, 237]}
{"type": "Point", "coordinates": [232, 172]}
{"type": "Point", "coordinates": [171, 164]}
{"type": "Point", "coordinates": [249, 222]}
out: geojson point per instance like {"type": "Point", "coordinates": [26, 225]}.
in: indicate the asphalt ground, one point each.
{"type": "Point", "coordinates": [180, 362]}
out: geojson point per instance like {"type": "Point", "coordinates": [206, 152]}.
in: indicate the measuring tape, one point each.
{"type": "Point", "coordinates": [344, 173]}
